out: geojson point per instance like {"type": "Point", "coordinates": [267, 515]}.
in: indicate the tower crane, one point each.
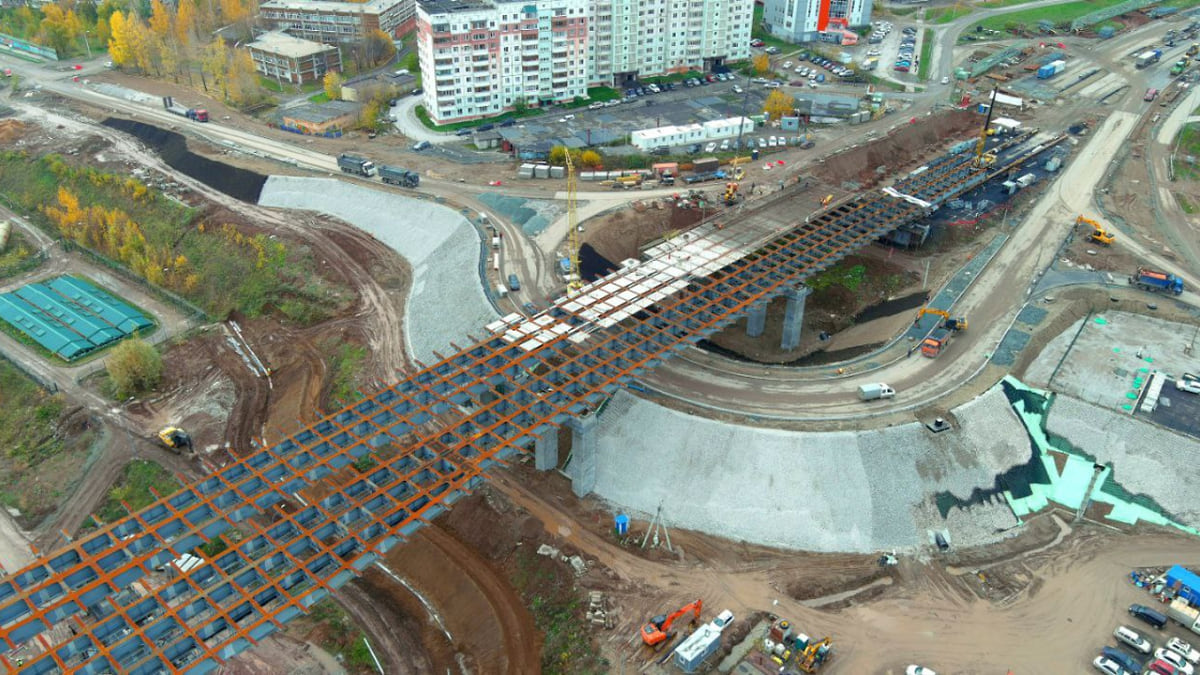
{"type": "Point", "coordinates": [983, 160]}
{"type": "Point", "coordinates": [575, 276]}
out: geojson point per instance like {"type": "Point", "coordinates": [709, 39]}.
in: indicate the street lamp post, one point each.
{"type": "Point", "coordinates": [87, 44]}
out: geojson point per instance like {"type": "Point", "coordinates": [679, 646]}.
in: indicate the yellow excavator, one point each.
{"type": "Point", "coordinates": [815, 654]}
{"type": "Point", "coordinates": [1099, 235]}
{"type": "Point", "coordinates": [731, 194]}
{"type": "Point", "coordinates": [175, 438]}
{"type": "Point", "coordinates": [950, 322]}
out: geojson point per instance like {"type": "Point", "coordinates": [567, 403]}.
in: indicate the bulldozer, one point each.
{"type": "Point", "coordinates": [659, 629]}
{"type": "Point", "coordinates": [175, 438]}
{"type": "Point", "coordinates": [949, 323]}
{"type": "Point", "coordinates": [1099, 235]}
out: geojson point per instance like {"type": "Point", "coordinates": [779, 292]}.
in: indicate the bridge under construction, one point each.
{"type": "Point", "coordinates": [305, 515]}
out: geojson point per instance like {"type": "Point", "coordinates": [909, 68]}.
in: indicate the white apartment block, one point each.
{"type": "Point", "coordinates": [479, 57]}
{"type": "Point", "coordinates": [812, 20]}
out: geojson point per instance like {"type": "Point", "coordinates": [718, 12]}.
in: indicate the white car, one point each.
{"type": "Point", "coordinates": [1190, 386]}
{"type": "Point", "coordinates": [787, 64]}
{"type": "Point", "coordinates": [1176, 660]}
{"type": "Point", "coordinates": [945, 80]}
{"type": "Point", "coordinates": [1108, 666]}
{"type": "Point", "coordinates": [1133, 639]}
{"type": "Point", "coordinates": [725, 144]}
{"type": "Point", "coordinates": [737, 89]}
{"type": "Point", "coordinates": [762, 142]}
{"type": "Point", "coordinates": [772, 142]}
{"type": "Point", "coordinates": [711, 147]}
{"type": "Point", "coordinates": [1184, 649]}
{"type": "Point", "coordinates": [918, 670]}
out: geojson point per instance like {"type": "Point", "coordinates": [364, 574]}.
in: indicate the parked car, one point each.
{"type": "Point", "coordinates": [756, 43]}
{"type": "Point", "coordinates": [421, 145]}
{"type": "Point", "coordinates": [772, 50]}
{"type": "Point", "coordinates": [1190, 386]}
{"type": "Point", "coordinates": [787, 64]}
{"type": "Point", "coordinates": [737, 89]}
{"type": "Point", "coordinates": [1109, 667]}
{"type": "Point", "coordinates": [762, 143]}
{"type": "Point", "coordinates": [1126, 661]}
{"type": "Point", "coordinates": [1161, 667]}
{"type": "Point", "coordinates": [1177, 662]}
{"type": "Point", "coordinates": [1150, 616]}
{"type": "Point", "coordinates": [711, 147]}
{"type": "Point", "coordinates": [1184, 649]}
{"type": "Point", "coordinates": [725, 145]}
{"type": "Point", "coordinates": [1132, 638]}
{"type": "Point", "coordinates": [694, 148]}
{"type": "Point", "coordinates": [772, 142]}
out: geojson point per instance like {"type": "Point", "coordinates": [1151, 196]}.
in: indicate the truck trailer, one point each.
{"type": "Point", "coordinates": [1185, 614]}
{"type": "Point", "coordinates": [356, 165]}
{"type": "Point", "coordinates": [1147, 58]}
{"type": "Point", "coordinates": [394, 175]}
{"type": "Point", "coordinates": [1051, 69]}
{"type": "Point", "coordinates": [196, 114]}
{"type": "Point", "coordinates": [1155, 281]}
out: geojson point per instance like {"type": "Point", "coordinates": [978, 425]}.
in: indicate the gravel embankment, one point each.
{"type": "Point", "coordinates": [1146, 459]}
{"type": "Point", "coordinates": [447, 300]}
{"type": "Point", "coordinates": [829, 491]}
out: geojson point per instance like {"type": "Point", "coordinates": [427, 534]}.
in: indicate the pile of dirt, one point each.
{"type": "Point", "coordinates": [11, 130]}
{"type": "Point", "coordinates": [912, 143]}
{"type": "Point", "coordinates": [620, 235]}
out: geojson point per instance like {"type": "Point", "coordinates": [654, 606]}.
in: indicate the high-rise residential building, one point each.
{"type": "Point", "coordinates": [812, 20]}
{"type": "Point", "coordinates": [480, 58]}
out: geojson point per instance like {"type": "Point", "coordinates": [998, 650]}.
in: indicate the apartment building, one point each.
{"type": "Point", "coordinates": [282, 57]}
{"type": "Point", "coordinates": [330, 21]}
{"type": "Point", "coordinates": [480, 57]}
{"type": "Point", "coordinates": [813, 20]}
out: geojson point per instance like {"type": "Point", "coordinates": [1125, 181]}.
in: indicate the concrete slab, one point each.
{"type": "Point", "coordinates": [440, 244]}
{"type": "Point", "coordinates": [1111, 355]}
{"type": "Point", "coordinates": [834, 491]}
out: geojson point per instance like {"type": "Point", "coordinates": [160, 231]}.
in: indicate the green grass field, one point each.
{"type": "Point", "coordinates": [1062, 15]}
{"type": "Point", "coordinates": [926, 55]}
{"type": "Point", "coordinates": [946, 14]}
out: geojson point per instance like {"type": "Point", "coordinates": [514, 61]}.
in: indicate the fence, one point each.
{"type": "Point", "coordinates": [18, 45]}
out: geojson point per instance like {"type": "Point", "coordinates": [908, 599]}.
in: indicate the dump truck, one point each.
{"type": "Point", "coordinates": [937, 341]}
{"type": "Point", "coordinates": [1051, 69]}
{"type": "Point", "coordinates": [1155, 281]}
{"type": "Point", "coordinates": [1148, 57]}
{"type": "Point", "coordinates": [394, 175]}
{"type": "Point", "coordinates": [197, 114]}
{"type": "Point", "coordinates": [875, 391]}
{"type": "Point", "coordinates": [356, 165]}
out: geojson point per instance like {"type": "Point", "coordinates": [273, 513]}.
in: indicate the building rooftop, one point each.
{"type": "Point", "coordinates": [319, 113]}
{"type": "Point", "coordinates": [451, 6]}
{"type": "Point", "coordinates": [369, 7]}
{"type": "Point", "coordinates": [292, 47]}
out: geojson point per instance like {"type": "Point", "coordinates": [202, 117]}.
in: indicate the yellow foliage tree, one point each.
{"type": "Point", "coordinates": [241, 78]}
{"type": "Point", "coordinates": [212, 63]}
{"type": "Point", "coordinates": [118, 41]}
{"type": "Point", "coordinates": [160, 20]}
{"type": "Point", "coordinates": [60, 26]}
{"type": "Point", "coordinates": [185, 22]}
{"type": "Point", "coordinates": [590, 158]}
{"type": "Point", "coordinates": [234, 10]}
{"type": "Point", "coordinates": [762, 64]}
{"type": "Point", "coordinates": [778, 104]}
{"type": "Point", "coordinates": [333, 85]}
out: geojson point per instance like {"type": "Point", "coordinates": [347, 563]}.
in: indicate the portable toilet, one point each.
{"type": "Point", "coordinates": [622, 524]}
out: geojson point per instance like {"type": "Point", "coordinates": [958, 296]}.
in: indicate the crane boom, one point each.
{"type": "Point", "coordinates": [575, 278]}
{"type": "Point", "coordinates": [980, 160]}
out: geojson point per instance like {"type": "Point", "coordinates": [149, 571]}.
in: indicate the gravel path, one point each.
{"type": "Point", "coordinates": [1146, 459]}
{"type": "Point", "coordinates": [447, 300]}
{"type": "Point", "coordinates": [834, 491]}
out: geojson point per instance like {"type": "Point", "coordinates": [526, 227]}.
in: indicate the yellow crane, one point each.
{"type": "Point", "coordinates": [982, 159]}
{"type": "Point", "coordinates": [575, 278]}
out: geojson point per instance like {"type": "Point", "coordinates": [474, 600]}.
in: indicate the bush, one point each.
{"type": "Point", "coordinates": [135, 366]}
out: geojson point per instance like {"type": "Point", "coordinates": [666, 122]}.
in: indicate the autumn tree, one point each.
{"type": "Point", "coordinates": [378, 48]}
{"type": "Point", "coordinates": [778, 104]}
{"type": "Point", "coordinates": [185, 23]}
{"type": "Point", "coordinates": [118, 42]}
{"type": "Point", "coordinates": [243, 86]}
{"type": "Point", "coordinates": [134, 366]}
{"type": "Point", "coordinates": [60, 27]}
{"type": "Point", "coordinates": [590, 158]}
{"type": "Point", "coordinates": [212, 65]}
{"type": "Point", "coordinates": [762, 64]}
{"type": "Point", "coordinates": [333, 85]}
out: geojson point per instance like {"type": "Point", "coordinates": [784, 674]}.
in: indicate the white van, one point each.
{"type": "Point", "coordinates": [501, 291]}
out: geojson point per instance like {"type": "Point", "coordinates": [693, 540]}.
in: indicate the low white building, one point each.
{"type": "Point", "coordinates": [671, 136]}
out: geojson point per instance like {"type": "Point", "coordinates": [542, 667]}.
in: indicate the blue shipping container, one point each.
{"type": "Point", "coordinates": [1185, 583]}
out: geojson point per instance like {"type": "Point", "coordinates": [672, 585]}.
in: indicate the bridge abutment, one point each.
{"type": "Point", "coordinates": [793, 317]}
{"type": "Point", "coordinates": [582, 468]}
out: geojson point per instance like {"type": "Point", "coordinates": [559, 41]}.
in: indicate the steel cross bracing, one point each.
{"type": "Point", "coordinates": [306, 522]}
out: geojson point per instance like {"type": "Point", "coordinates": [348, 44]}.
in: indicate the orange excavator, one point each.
{"type": "Point", "coordinates": [658, 630]}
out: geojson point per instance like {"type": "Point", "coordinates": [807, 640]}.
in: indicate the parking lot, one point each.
{"type": "Point", "coordinates": [1142, 642]}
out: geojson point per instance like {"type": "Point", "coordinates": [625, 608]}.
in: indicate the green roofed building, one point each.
{"type": "Point", "coordinates": [69, 316]}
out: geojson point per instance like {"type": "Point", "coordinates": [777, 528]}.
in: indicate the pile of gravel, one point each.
{"type": "Point", "coordinates": [826, 491]}
{"type": "Point", "coordinates": [447, 300]}
{"type": "Point", "coordinates": [1146, 459]}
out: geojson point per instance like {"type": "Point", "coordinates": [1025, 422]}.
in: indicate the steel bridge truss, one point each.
{"type": "Point", "coordinates": [308, 514]}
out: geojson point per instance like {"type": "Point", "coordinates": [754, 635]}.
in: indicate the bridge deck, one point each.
{"type": "Point", "coordinates": [393, 461]}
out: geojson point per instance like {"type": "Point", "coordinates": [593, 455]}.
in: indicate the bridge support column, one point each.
{"type": "Point", "coordinates": [756, 320]}
{"type": "Point", "coordinates": [545, 450]}
{"type": "Point", "coordinates": [582, 468]}
{"type": "Point", "coordinates": [793, 317]}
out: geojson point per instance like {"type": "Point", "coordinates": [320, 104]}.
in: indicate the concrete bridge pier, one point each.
{"type": "Point", "coordinates": [793, 317]}
{"type": "Point", "coordinates": [756, 320]}
{"type": "Point", "coordinates": [582, 468]}
{"type": "Point", "coordinates": [545, 450]}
